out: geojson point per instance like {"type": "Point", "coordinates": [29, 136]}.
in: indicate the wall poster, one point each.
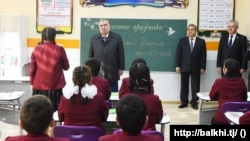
{"type": "Point", "coordinates": [55, 13]}
{"type": "Point", "coordinates": [213, 16]}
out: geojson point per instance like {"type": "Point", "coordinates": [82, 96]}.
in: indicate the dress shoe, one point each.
{"type": "Point", "coordinates": [183, 105]}
{"type": "Point", "coordinates": [195, 107]}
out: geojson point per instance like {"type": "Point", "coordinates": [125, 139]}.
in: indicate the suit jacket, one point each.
{"type": "Point", "coordinates": [102, 86]}
{"type": "Point", "coordinates": [124, 89]}
{"type": "Point", "coordinates": [227, 90]}
{"type": "Point", "coordinates": [110, 53]}
{"type": "Point", "coordinates": [237, 51]}
{"type": "Point", "coordinates": [126, 137]}
{"type": "Point", "coordinates": [245, 119]}
{"type": "Point", "coordinates": [30, 137]}
{"type": "Point", "coordinates": [191, 61]}
{"type": "Point", "coordinates": [92, 113]}
{"type": "Point", "coordinates": [154, 109]}
{"type": "Point", "coordinates": [47, 64]}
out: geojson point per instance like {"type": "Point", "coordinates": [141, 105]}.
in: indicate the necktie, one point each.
{"type": "Point", "coordinates": [104, 39]}
{"type": "Point", "coordinates": [230, 43]}
{"type": "Point", "coordinates": [191, 44]}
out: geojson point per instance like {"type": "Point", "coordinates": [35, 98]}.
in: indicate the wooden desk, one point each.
{"type": "Point", "coordinates": [11, 97]}
{"type": "Point", "coordinates": [233, 116]}
{"type": "Point", "coordinates": [112, 119]}
{"type": "Point", "coordinates": [205, 113]}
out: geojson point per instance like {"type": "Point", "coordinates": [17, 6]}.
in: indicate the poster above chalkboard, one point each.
{"type": "Point", "coordinates": [155, 40]}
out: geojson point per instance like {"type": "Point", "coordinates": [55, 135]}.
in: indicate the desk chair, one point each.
{"type": "Point", "coordinates": [78, 133]}
{"type": "Point", "coordinates": [235, 107]}
{"type": "Point", "coordinates": [144, 132]}
{"type": "Point", "coordinates": [26, 69]}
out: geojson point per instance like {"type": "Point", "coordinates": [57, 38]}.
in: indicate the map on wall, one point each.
{"type": "Point", "coordinates": [154, 3]}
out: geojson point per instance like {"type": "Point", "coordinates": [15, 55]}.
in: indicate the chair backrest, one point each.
{"type": "Point", "coordinates": [144, 132]}
{"type": "Point", "coordinates": [235, 107]}
{"type": "Point", "coordinates": [78, 133]}
{"type": "Point", "coordinates": [26, 69]}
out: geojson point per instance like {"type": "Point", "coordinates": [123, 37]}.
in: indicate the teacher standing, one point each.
{"type": "Point", "coordinates": [107, 46]}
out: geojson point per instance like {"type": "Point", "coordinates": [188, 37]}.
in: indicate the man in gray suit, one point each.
{"type": "Point", "coordinates": [191, 58]}
{"type": "Point", "coordinates": [107, 46]}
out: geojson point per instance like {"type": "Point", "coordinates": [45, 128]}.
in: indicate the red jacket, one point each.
{"type": "Point", "coordinates": [124, 89]}
{"type": "Point", "coordinates": [227, 90]}
{"type": "Point", "coordinates": [102, 86]}
{"type": "Point", "coordinates": [92, 113]}
{"type": "Point", "coordinates": [47, 64]}
{"type": "Point", "coordinates": [154, 110]}
{"type": "Point", "coordinates": [245, 119]}
{"type": "Point", "coordinates": [30, 137]}
{"type": "Point", "coordinates": [126, 137]}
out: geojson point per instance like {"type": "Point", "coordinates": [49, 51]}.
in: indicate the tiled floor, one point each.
{"type": "Point", "coordinates": [9, 119]}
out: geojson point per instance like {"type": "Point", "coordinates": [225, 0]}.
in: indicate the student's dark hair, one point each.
{"type": "Point", "coordinates": [131, 113]}
{"type": "Point", "coordinates": [36, 114]}
{"type": "Point", "coordinates": [139, 60]}
{"type": "Point", "coordinates": [94, 64]}
{"type": "Point", "coordinates": [233, 68]}
{"type": "Point", "coordinates": [81, 76]}
{"type": "Point", "coordinates": [139, 77]}
{"type": "Point", "coordinates": [48, 34]}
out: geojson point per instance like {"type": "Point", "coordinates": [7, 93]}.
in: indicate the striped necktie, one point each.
{"type": "Point", "coordinates": [230, 43]}
{"type": "Point", "coordinates": [191, 44]}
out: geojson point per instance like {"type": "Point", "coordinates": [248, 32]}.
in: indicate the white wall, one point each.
{"type": "Point", "coordinates": [167, 85]}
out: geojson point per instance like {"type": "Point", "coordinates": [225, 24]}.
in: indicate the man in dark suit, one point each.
{"type": "Point", "coordinates": [234, 48]}
{"type": "Point", "coordinates": [191, 58]}
{"type": "Point", "coordinates": [107, 46]}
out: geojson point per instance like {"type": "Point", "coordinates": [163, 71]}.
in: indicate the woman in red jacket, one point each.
{"type": "Point", "coordinates": [229, 88]}
{"type": "Point", "coordinates": [48, 61]}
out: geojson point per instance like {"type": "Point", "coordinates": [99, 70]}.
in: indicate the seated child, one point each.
{"type": "Point", "coordinates": [102, 84]}
{"type": "Point", "coordinates": [228, 89]}
{"type": "Point", "coordinates": [140, 85]}
{"type": "Point", "coordinates": [81, 104]}
{"type": "Point", "coordinates": [245, 119]}
{"type": "Point", "coordinates": [124, 89]}
{"type": "Point", "coordinates": [131, 117]}
{"type": "Point", "coordinates": [36, 116]}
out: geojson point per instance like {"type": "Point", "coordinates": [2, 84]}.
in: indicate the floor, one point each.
{"type": "Point", "coordinates": [9, 119]}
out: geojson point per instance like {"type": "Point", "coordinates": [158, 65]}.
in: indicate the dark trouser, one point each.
{"type": "Point", "coordinates": [113, 87]}
{"type": "Point", "coordinates": [195, 87]}
{"type": "Point", "coordinates": [53, 95]}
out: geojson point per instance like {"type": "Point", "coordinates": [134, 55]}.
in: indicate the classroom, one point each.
{"type": "Point", "coordinates": [166, 83]}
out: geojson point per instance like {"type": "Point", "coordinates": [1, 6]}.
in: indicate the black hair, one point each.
{"type": "Point", "coordinates": [233, 68]}
{"type": "Point", "coordinates": [139, 77]}
{"type": "Point", "coordinates": [131, 113]}
{"type": "Point", "coordinates": [36, 114]}
{"type": "Point", "coordinates": [94, 64]}
{"type": "Point", "coordinates": [48, 34]}
{"type": "Point", "coordinates": [81, 76]}
{"type": "Point", "coordinates": [139, 60]}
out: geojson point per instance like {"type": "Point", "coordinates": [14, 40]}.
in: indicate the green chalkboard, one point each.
{"type": "Point", "coordinates": [155, 40]}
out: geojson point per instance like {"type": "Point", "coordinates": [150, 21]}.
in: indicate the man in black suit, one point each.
{"type": "Point", "coordinates": [191, 58]}
{"type": "Point", "coordinates": [107, 46]}
{"type": "Point", "coordinates": [234, 49]}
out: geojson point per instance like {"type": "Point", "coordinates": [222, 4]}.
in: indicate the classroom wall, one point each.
{"type": "Point", "coordinates": [167, 84]}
